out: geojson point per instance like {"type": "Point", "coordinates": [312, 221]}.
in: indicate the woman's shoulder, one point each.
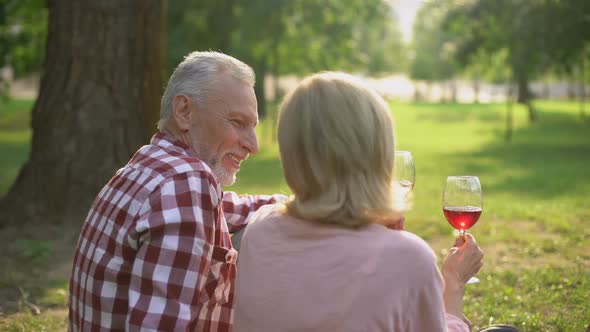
{"type": "Point", "coordinates": [409, 246]}
{"type": "Point", "coordinates": [264, 218]}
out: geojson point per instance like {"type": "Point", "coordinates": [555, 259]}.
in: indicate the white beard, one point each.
{"type": "Point", "coordinates": [224, 177]}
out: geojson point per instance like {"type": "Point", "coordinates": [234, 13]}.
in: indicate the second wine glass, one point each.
{"type": "Point", "coordinates": [404, 171]}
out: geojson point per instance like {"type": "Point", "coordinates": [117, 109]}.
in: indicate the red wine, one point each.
{"type": "Point", "coordinates": [462, 217]}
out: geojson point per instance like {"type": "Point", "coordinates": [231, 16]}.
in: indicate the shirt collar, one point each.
{"type": "Point", "coordinates": [165, 140]}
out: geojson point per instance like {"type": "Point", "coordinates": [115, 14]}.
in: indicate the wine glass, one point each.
{"type": "Point", "coordinates": [463, 204]}
{"type": "Point", "coordinates": [404, 171]}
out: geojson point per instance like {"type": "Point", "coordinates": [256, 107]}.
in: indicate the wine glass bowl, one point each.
{"type": "Point", "coordinates": [462, 201]}
{"type": "Point", "coordinates": [404, 171]}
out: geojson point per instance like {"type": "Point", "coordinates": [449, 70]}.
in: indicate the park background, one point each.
{"type": "Point", "coordinates": [493, 88]}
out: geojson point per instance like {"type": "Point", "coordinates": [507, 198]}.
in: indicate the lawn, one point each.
{"type": "Point", "coordinates": [533, 228]}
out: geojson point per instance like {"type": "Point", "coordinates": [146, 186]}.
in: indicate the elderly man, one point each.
{"type": "Point", "coordinates": [155, 251]}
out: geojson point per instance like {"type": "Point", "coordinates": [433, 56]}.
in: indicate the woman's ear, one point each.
{"type": "Point", "coordinates": [182, 111]}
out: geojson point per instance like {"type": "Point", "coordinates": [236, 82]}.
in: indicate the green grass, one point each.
{"type": "Point", "coordinates": [15, 137]}
{"type": "Point", "coordinates": [533, 228]}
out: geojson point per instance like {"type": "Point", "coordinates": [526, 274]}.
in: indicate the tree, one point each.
{"type": "Point", "coordinates": [198, 25]}
{"type": "Point", "coordinates": [23, 29]}
{"type": "Point", "coordinates": [381, 44]}
{"type": "Point", "coordinates": [433, 47]}
{"type": "Point", "coordinates": [536, 34]}
{"type": "Point", "coordinates": [279, 37]}
{"type": "Point", "coordinates": [98, 103]}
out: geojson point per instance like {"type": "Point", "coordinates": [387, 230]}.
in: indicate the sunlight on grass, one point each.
{"type": "Point", "coordinates": [533, 227]}
{"type": "Point", "coordinates": [46, 321]}
{"type": "Point", "coordinates": [55, 295]}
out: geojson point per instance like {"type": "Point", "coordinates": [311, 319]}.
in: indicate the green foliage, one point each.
{"type": "Point", "coordinates": [383, 48]}
{"type": "Point", "coordinates": [432, 47]}
{"type": "Point", "coordinates": [197, 25]}
{"type": "Point", "coordinates": [286, 37]}
{"type": "Point", "coordinates": [337, 35]}
{"type": "Point", "coordinates": [23, 29]}
{"type": "Point", "coordinates": [280, 37]}
{"type": "Point", "coordinates": [488, 67]}
{"type": "Point", "coordinates": [535, 33]}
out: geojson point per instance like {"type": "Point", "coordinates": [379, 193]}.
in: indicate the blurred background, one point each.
{"type": "Point", "coordinates": [437, 50]}
{"type": "Point", "coordinates": [494, 88]}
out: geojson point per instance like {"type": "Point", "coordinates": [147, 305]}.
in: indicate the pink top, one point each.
{"type": "Point", "coordinates": [295, 275]}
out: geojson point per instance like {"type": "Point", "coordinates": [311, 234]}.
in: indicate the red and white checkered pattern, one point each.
{"type": "Point", "coordinates": [155, 252]}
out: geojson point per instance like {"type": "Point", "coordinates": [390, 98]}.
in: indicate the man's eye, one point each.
{"type": "Point", "coordinates": [236, 123]}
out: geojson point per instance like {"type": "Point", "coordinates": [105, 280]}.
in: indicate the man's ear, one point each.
{"type": "Point", "coordinates": [181, 111]}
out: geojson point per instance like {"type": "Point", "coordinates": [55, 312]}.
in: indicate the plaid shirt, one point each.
{"type": "Point", "coordinates": [155, 253]}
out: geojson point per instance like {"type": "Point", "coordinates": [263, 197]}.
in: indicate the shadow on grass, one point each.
{"type": "Point", "coordinates": [545, 159]}
{"type": "Point", "coordinates": [36, 261]}
{"type": "Point", "coordinates": [451, 113]}
{"type": "Point", "coordinates": [15, 139]}
{"type": "Point", "coordinates": [14, 156]}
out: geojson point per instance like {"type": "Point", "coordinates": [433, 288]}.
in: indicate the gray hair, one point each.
{"type": "Point", "coordinates": [194, 76]}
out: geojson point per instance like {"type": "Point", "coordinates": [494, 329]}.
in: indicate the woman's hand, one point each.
{"type": "Point", "coordinates": [462, 262]}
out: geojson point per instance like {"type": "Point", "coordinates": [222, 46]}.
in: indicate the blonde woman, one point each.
{"type": "Point", "coordinates": [329, 260]}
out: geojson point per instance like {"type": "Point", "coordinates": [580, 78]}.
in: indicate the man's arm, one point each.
{"type": "Point", "coordinates": [174, 255]}
{"type": "Point", "coordinates": [239, 208]}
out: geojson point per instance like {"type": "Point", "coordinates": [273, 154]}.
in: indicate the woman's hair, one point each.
{"type": "Point", "coordinates": [195, 75]}
{"type": "Point", "coordinates": [337, 148]}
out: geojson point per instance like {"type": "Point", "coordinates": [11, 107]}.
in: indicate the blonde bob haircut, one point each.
{"type": "Point", "coordinates": [337, 148]}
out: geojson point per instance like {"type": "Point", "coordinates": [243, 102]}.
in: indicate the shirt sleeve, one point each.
{"type": "Point", "coordinates": [456, 324]}
{"type": "Point", "coordinates": [429, 300]}
{"type": "Point", "coordinates": [174, 253]}
{"type": "Point", "coordinates": [239, 208]}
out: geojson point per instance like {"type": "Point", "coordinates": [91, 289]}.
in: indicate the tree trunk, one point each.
{"type": "Point", "coordinates": [260, 71]}
{"type": "Point", "coordinates": [583, 88]}
{"type": "Point", "coordinates": [509, 117]}
{"type": "Point", "coordinates": [278, 94]}
{"type": "Point", "coordinates": [571, 89]}
{"type": "Point", "coordinates": [525, 96]}
{"type": "Point", "coordinates": [476, 89]}
{"type": "Point", "coordinates": [417, 95]}
{"type": "Point", "coordinates": [98, 103]}
{"type": "Point", "coordinates": [443, 92]}
{"type": "Point", "coordinates": [546, 90]}
{"type": "Point", "coordinates": [453, 91]}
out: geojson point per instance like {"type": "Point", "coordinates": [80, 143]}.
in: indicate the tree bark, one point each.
{"type": "Point", "coordinates": [453, 91]}
{"type": "Point", "coordinates": [476, 89]}
{"type": "Point", "coordinates": [98, 103]}
{"type": "Point", "coordinates": [583, 89]}
{"type": "Point", "coordinates": [525, 96]}
{"type": "Point", "coordinates": [509, 117]}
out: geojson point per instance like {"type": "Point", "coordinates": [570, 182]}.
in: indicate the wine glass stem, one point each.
{"type": "Point", "coordinates": [462, 232]}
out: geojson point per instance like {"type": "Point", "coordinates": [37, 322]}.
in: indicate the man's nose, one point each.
{"type": "Point", "coordinates": [250, 142]}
